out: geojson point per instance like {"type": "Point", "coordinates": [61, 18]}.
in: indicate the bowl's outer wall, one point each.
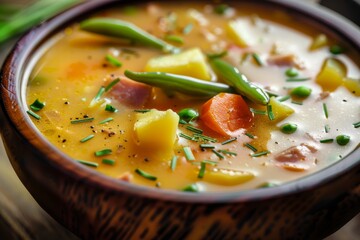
{"type": "Point", "coordinates": [94, 211]}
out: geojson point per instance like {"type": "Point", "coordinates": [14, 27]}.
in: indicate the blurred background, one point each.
{"type": "Point", "coordinates": [20, 216]}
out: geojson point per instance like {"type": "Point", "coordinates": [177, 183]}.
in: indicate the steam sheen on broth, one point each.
{"type": "Point", "coordinates": [131, 131]}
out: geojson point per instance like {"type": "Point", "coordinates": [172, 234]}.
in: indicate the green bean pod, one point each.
{"type": "Point", "coordinates": [122, 29]}
{"type": "Point", "coordinates": [232, 76]}
{"type": "Point", "coordinates": [180, 83]}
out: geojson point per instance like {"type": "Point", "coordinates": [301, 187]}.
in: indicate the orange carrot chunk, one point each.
{"type": "Point", "coordinates": [226, 113]}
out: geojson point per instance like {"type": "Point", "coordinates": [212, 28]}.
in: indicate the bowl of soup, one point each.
{"type": "Point", "coordinates": [188, 120]}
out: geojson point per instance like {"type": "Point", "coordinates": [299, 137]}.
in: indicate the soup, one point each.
{"type": "Point", "coordinates": [198, 97]}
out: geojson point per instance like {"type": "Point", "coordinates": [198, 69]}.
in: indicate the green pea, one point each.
{"type": "Point", "coordinates": [342, 140]}
{"type": "Point", "coordinates": [288, 128]}
{"type": "Point", "coordinates": [192, 188]}
{"type": "Point", "coordinates": [188, 114]}
{"type": "Point", "coordinates": [291, 72]}
{"type": "Point", "coordinates": [336, 49]}
{"type": "Point", "coordinates": [301, 91]}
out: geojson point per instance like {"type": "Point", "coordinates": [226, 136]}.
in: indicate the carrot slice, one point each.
{"type": "Point", "coordinates": [226, 113]}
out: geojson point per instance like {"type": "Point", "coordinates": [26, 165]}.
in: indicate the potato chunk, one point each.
{"type": "Point", "coordinates": [353, 85]}
{"type": "Point", "coordinates": [190, 63]}
{"type": "Point", "coordinates": [238, 31]}
{"type": "Point", "coordinates": [227, 177]}
{"type": "Point", "coordinates": [332, 74]}
{"type": "Point", "coordinates": [280, 110]}
{"type": "Point", "coordinates": [156, 129]}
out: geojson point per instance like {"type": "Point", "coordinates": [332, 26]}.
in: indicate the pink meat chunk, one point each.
{"type": "Point", "coordinates": [289, 60]}
{"type": "Point", "coordinates": [131, 93]}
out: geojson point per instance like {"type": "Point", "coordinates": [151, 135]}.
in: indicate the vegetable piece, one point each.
{"type": "Point", "coordinates": [113, 60]}
{"type": "Point", "coordinates": [88, 163]}
{"type": "Point", "coordinates": [188, 154]}
{"type": "Point", "coordinates": [108, 161]}
{"type": "Point", "coordinates": [180, 83]}
{"type": "Point", "coordinates": [227, 177]}
{"type": "Point", "coordinates": [103, 152]}
{"type": "Point", "coordinates": [318, 42]}
{"type": "Point", "coordinates": [280, 110]}
{"type": "Point", "coordinates": [173, 163]}
{"type": "Point", "coordinates": [221, 9]}
{"type": "Point", "coordinates": [297, 158]}
{"type": "Point", "coordinates": [145, 174]}
{"type": "Point", "coordinates": [87, 138]}
{"type": "Point", "coordinates": [191, 188]}
{"type": "Point", "coordinates": [342, 140]}
{"type": "Point", "coordinates": [233, 77]}
{"type": "Point", "coordinates": [122, 29]}
{"type": "Point", "coordinates": [148, 126]}
{"type": "Point", "coordinates": [37, 105]}
{"type": "Point", "coordinates": [226, 114]}
{"type": "Point", "coordinates": [188, 114]}
{"type": "Point", "coordinates": [239, 31]}
{"type": "Point", "coordinates": [82, 120]}
{"type": "Point", "coordinates": [336, 49]}
{"type": "Point", "coordinates": [301, 92]}
{"type": "Point", "coordinates": [331, 75]}
{"type": "Point", "coordinates": [190, 63]}
{"type": "Point", "coordinates": [353, 85]}
{"type": "Point", "coordinates": [291, 72]}
{"type": "Point", "coordinates": [288, 128]}
{"type": "Point", "coordinates": [110, 108]}
{"type": "Point", "coordinates": [34, 115]}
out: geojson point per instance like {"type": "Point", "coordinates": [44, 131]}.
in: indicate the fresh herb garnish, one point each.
{"type": "Point", "coordinates": [251, 147]}
{"type": "Point", "coordinates": [145, 174]}
{"type": "Point", "coordinates": [142, 110]}
{"type": "Point", "coordinates": [207, 146]}
{"type": "Point", "coordinates": [257, 59]}
{"type": "Point", "coordinates": [98, 95]}
{"type": "Point", "coordinates": [37, 105]}
{"type": "Point", "coordinates": [83, 120]}
{"type": "Point", "coordinates": [267, 185]}
{"type": "Point", "coordinates": [202, 137]}
{"type": "Point", "coordinates": [259, 112]}
{"type": "Point", "coordinates": [356, 125]}
{"type": "Point", "coordinates": [270, 112]}
{"type": "Point", "coordinates": [297, 79]}
{"type": "Point", "coordinates": [191, 188]}
{"type": "Point", "coordinates": [34, 115]}
{"type": "Point", "coordinates": [326, 113]}
{"type": "Point", "coordinates": [336, 49]}
{"type": "Point", "coordinates": [260, 154]}
{"type": "Point", "coordinates": [328, 140]}
{"type": "Point", "coordinates": [108, 161]}
{"type": "Point", "coordinates": [110, 108]}
{"type": "Point", "coordinates": [88, 163]}
{"type": "Point", "coordinates": [217, 55]}
{"type": "Point", "coordinates": [202, 170]}
{"type": "Point", "coordinates": [113, 60]}
{"type": "Point", "coordinates": [210, 162]}
{"type": "Point", "coordinates": [103, 152]}
{"type": "Point", "coordinates": [297, 102]}
{"type": "Point", "coordinates": [106, 120]}
{"type": "Point", "coordinates": [218, 154]}
{"type": "Point", "coordinates": [110, 85]}
{"type": "Point", "coordinates": [326, 128]}
{"type": "Point", "coordinates": [173, 163]}
{"type": "Point", "coordinates": [229, 141]}
{"type": "Point", "coordinates": [194, 129]}
{"type": "Point", "coordinates": [187, 29]}
{"type": "Point", "coordinates": [174, 38]}
{"type": "Point", "coordinates": [221, 9]}
{"type": "Point", "coordinates": [283, 98]}
{"type": "Point", "coordinates": [249, 135]}
{"type": "Point", "coordinates": [228, 152]}
{"type": "Point", "coordinates": [183, 135]}
{"type": "Point", "coordinates": [85, 139]}
{"type": "Point", "coordinates": [188, 154]}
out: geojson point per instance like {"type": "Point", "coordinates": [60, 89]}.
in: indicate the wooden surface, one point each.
{"type": "Point", "coordinates": [22, 218]}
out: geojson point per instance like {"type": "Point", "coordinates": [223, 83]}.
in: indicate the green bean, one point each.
{"type": "Point", "coordinates": [233, 77]}
{"type": "Point", "coordinates": [180, 83]}
{"type": "Point", "coordinates": [122, 29]}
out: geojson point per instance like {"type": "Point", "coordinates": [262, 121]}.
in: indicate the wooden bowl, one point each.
{"type": "Point", "coordinates": [94, 206]}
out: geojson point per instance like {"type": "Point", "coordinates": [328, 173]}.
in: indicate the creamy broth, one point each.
{"type": "Point", "coordinates": [70, 73]}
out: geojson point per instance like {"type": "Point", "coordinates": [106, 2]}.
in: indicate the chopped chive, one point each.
{"type": "Point", "coordinates": [85, 139]}
{"type": "Point", "coordinates": [145, 174]}
{"type": "Point", "coordinates": [267, 185]}
{"type": "Point", "coordinates": [356, 125]}
{"type": "Point", "coordinates": [106, 120]}
{"type": "Point", "coordinates": [228, 152]}
{"type": "Point", "coordinates": [113, 60]}
{"type": "Point", "coordinates": [194, 129]}
{"type": "Point", "coordinates": [251, 147]}
{"type": "Point", "coordinates": [229, 141]}
{"type": "Point", "coordinates": [110, 85]}
{"type": "Point", "coordinates": [291, 72]}
{"type": "Point", "coordinates": [82, 120]}
{"type": "Point", "coordinates": [218, 154]}
{"type": "Point", "coordinates": [204, 138]}
{"type": "Point", "coordinates": [297, 102]}
{"type": "Point", "coordinates": [297, 79]}
{"type": "Point", "coordinates": [259, 112]}
{"type": "Point", "coordinates": [187, 29]}
{"type": "Point", "coordinates": [108, 161]}
{"type": "Point", "coordinates": [210, 162]}
{"type": "Point", "coordinates": [207, 146]}
{"type": "Point", "coordinates": [99, 93]}
{"type": "Point", "coordinates": [173, 163]}
{"type": "Point", "coordinates": [260, 154]}
{"type": "Point", "coordinates": [250, 135]}
{"type": "Point", "coordinates": [88, 163]}
{"type": "Point", "coordinates": [110, 108]}
{"type": "Point", "coordinates": [202, 170]}
{"type": "Point", "coordinates": [327, 128]}
{"type": "Point", "coordinates": [283, 98]}
{"type": "Point", "coordinates": [328, 140]}
{"type": "Point", "coordinates": [183, 135]}
{"type": "Point", "coordinates": [103, 152]}
{"type": "Point", "coordinates": [34, 115]}
{"type": "Point", "coordinates": [221, 9]}
{"type": "Point", "coordinates": [257, 59]}
{"type": "Point", "coordinates": [188, 154]}
{"type": "Point", "coordinates": [142, 110]}
{"type": "Point", "coordinates": [182, 121]}
{"type": "Point", "coordinates": [216, 55]}
{"type": "Point", "coordinates": [270, 112]}
{"type": "Point", "coordinates": [325, 110]}
{"type": "Point", "coordinates": [245, 57]}
{"type": "Point", "coordinates": [174, 38]}
{"type": "Point", "coordinates": [191, 188]}
{"type": "Point", "coordinates": [37, 105]}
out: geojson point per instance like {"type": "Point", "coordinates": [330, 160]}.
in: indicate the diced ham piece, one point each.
{"type": "Point", "coordinates": [126, 176]}
{"type": "Point", "coordinates": [297, 158]}
{"type": "Point", "coordinates": [130, 93]}
{"type": "Point", "coordinates": [286, 60]}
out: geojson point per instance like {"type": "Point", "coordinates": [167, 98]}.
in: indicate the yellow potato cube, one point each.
{"type": "Point", "coordinates": [190, 63]}
{"type": "Point", "coordinates": [353, 85]}
{"type": "Point", "coordinates": [332, 74]}
{"type": "Point", "coordinates": [239, 32]}
{"type": "Point", "coordinates": [227, 177]}
{"type": "Point", "coordinates": [280, 110]}
{"type": "Point", "coordinates": [156, 129]}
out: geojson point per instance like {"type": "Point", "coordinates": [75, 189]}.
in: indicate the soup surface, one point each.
{"type": "Point", "coordinates": [297, 113]}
